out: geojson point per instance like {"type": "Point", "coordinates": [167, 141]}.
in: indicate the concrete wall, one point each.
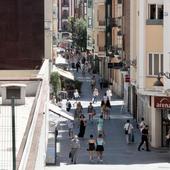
{"type": "Point", "coordinates": [31, 86]}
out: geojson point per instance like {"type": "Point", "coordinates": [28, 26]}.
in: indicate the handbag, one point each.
{"type": "Point", "coordinates": [126, 131]}
{"type": "Point", "coordinates": [133, 138]}
{"type": "Point", "coordinates": [70, 155]}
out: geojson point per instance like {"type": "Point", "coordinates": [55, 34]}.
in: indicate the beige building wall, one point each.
{"type": "Point", "coordinates": [154, 38]}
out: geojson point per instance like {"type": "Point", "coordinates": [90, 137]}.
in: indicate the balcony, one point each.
{"type": "Point", "coordinates": [154, 22]}
{"type": "Point", "coordinates": [65, 4]}
{"type": "Point", "coordinates": [101, 48]}
{"type": "Point", "coordinates": [113, 22]}
{"type": "Point", "coordinates": [101, 23]}
{"type": "Point", "coordinates": [119, 1]}
{"type": "Point", "coordinates": [65, 16]}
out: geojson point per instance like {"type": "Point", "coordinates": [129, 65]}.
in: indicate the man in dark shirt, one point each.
{"type": "Point", "coordinates": [144, 139]}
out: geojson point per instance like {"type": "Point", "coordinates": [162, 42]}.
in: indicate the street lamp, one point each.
{"type": "Point", "coordinates": [158, 81]}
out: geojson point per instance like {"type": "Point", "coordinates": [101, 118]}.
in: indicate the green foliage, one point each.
{"type": "Point", "coordinates": [55, 82]}
{"type": "Point", "coordinates": [72, 85]}
{"type": "Point", "coordinates": [78, 28]}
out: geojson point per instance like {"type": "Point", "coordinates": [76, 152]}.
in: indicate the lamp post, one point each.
{"type": "Point", "coordinates": [158, 81]}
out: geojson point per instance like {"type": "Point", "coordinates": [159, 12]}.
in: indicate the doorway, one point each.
{"type": "Point", "coordinates": [165, 125]}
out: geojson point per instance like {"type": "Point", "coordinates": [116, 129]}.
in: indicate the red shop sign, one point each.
{"type": "Point", "coordinates": [162, 102]}
{"type": "Point", "coordinates": [127, 78]}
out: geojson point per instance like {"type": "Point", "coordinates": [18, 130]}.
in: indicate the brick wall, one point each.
{"type": "Point", "coordinates": [21, 34]}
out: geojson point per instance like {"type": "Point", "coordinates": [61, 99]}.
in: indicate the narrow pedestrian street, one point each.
{"type": "Point", "coordinates": [117, 154]}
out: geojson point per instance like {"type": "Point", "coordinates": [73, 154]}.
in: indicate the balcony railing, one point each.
{"type": "Point", "coordinates": [65, 16]}
{"type": "Point", "coordinates": [113, 22]}
{"type": "Point", "coordinates": [101, 48]}
{"type": "Point", "coordinates": [66, 4]}
{"type": "Point", "coordinates": [119, 33]}
{"type": "Point", "coordinates": [119, 1]}
{"type": "Point", "coordinates": [154, 22]}
{"type": "Point", "coordinates": [101, 23]}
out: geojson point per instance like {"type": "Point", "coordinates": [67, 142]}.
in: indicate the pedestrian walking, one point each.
{"type": "Point", "coordinates": [76, 95]}
{"type": "Point", "coordinates": [68, 105]}
{"type": "Point", "coordinates": [101, 82]}
{"type": "Point", "coordinates": [93, 82]}
{"type": "Point", "coordinates": [109, 94]}
{"type": "Point", "coordinates": [78, 111]}
{"type": "Point", "coordinates": [95, 95]}
{"type": "Point", "coordinates": [70, 128]}
{"type": "Point", "coordinates": [91, 147]}
{"type": "Point", "coordinates": [100, 147]}
{"type": "Point", "coordinates": [107, 109]}
{"type": "Point", "coordinates": [102, 107]}
{"type": "Point", "coordinates": [144, 138]}
{"type": "Point", "coordinates": [128, 131]}
{"type": "Point", "coordinates": [90, 111]}
{"type": "Point", "coordinates": [77, 66]}
{"type": "Point", "coordinates": [168, 138]}
{"type": "Point", "coordinates": [75, 146]}
{"type": "Point", "coordinates": [142, 124]}
{"type": "Point", "coordinates": [100, 125]}
{"type": "Point", "coordinates": [83, 123]}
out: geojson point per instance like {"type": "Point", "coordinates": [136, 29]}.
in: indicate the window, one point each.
{"type": "Point", "coordinates": [160, 11]}
{"type": "Point", "coordinates": [90, 3]}
{"type": "Point", "coordinates": [65, 26]}
{"type": "Point", "coordinates": [155, 64]}
{"type": "Point", "coordinates": [155, 11]}
{"type": "Point", "coordinates": [13, 92]}
{"type": "Point", "coordinates": [89, 22]}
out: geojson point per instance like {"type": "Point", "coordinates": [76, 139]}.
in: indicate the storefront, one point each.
{"type": "Point", "coordinates": [163, 105]}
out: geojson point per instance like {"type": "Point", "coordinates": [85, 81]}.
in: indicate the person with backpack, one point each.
{"type": "Point", "coordinates": [68, 105]}
{"type": "Point", "coordinates": [128, 131]}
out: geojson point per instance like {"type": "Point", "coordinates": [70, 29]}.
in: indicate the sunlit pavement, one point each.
{"type": "Point", "coordinates": [117, 155]}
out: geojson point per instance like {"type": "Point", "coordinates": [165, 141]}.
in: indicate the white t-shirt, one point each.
{"type": "Point", "coordinates": [76, 94]}
{"type": "Point", "coordinates": [141, 125]}
{"type": "Point", "coordinates": [129, 127]}
{"type": "Point", "coordinates": [109, 93]}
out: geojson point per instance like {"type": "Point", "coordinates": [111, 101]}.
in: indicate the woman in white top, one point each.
{"type": "Point", "coordinates": [128, 131]}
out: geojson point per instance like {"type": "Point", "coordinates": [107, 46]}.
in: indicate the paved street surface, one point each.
{"type": "Point", "coordinates": [117, 155]}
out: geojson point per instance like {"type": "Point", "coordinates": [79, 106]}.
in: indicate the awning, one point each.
{"type": "Point", "coordinates": [63, 113]}
{"type": "Point", "coordinates": [63, 73]}
{"type": "Point", "coordinates": [59, 60]}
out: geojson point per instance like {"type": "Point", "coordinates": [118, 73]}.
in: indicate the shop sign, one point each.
{"type": "Point", "coordinates": [127, 78]}
{"type": "Point", "coordinates": [162, 102]}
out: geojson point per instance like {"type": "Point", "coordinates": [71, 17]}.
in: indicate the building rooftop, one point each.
{"type": "Point", "coordinates": [22, 113]}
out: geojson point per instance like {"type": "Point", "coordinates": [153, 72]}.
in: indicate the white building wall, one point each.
{"type": "Point", "coordinates": [48, 28]}
{"type": "Point", "coordinates": [166, 36]}
{"type": "Point", "coordinates": [141, 56]}
{"type": "Point", "coordinates": [155, 129]}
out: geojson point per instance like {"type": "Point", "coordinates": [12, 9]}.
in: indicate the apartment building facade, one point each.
{"type": "Point", "coordinates": [66, 9]}
{"type": "Point", "coordinates": [150, 46]}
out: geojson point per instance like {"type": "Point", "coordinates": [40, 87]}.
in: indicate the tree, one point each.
{"type": "Point", "coordinates": [55, 82]}
{"type": "Point", "coordinates": [78, 28]}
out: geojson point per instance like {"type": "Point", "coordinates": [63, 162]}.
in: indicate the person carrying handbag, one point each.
{"type": "Point", "coordinates": [128, 131]}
